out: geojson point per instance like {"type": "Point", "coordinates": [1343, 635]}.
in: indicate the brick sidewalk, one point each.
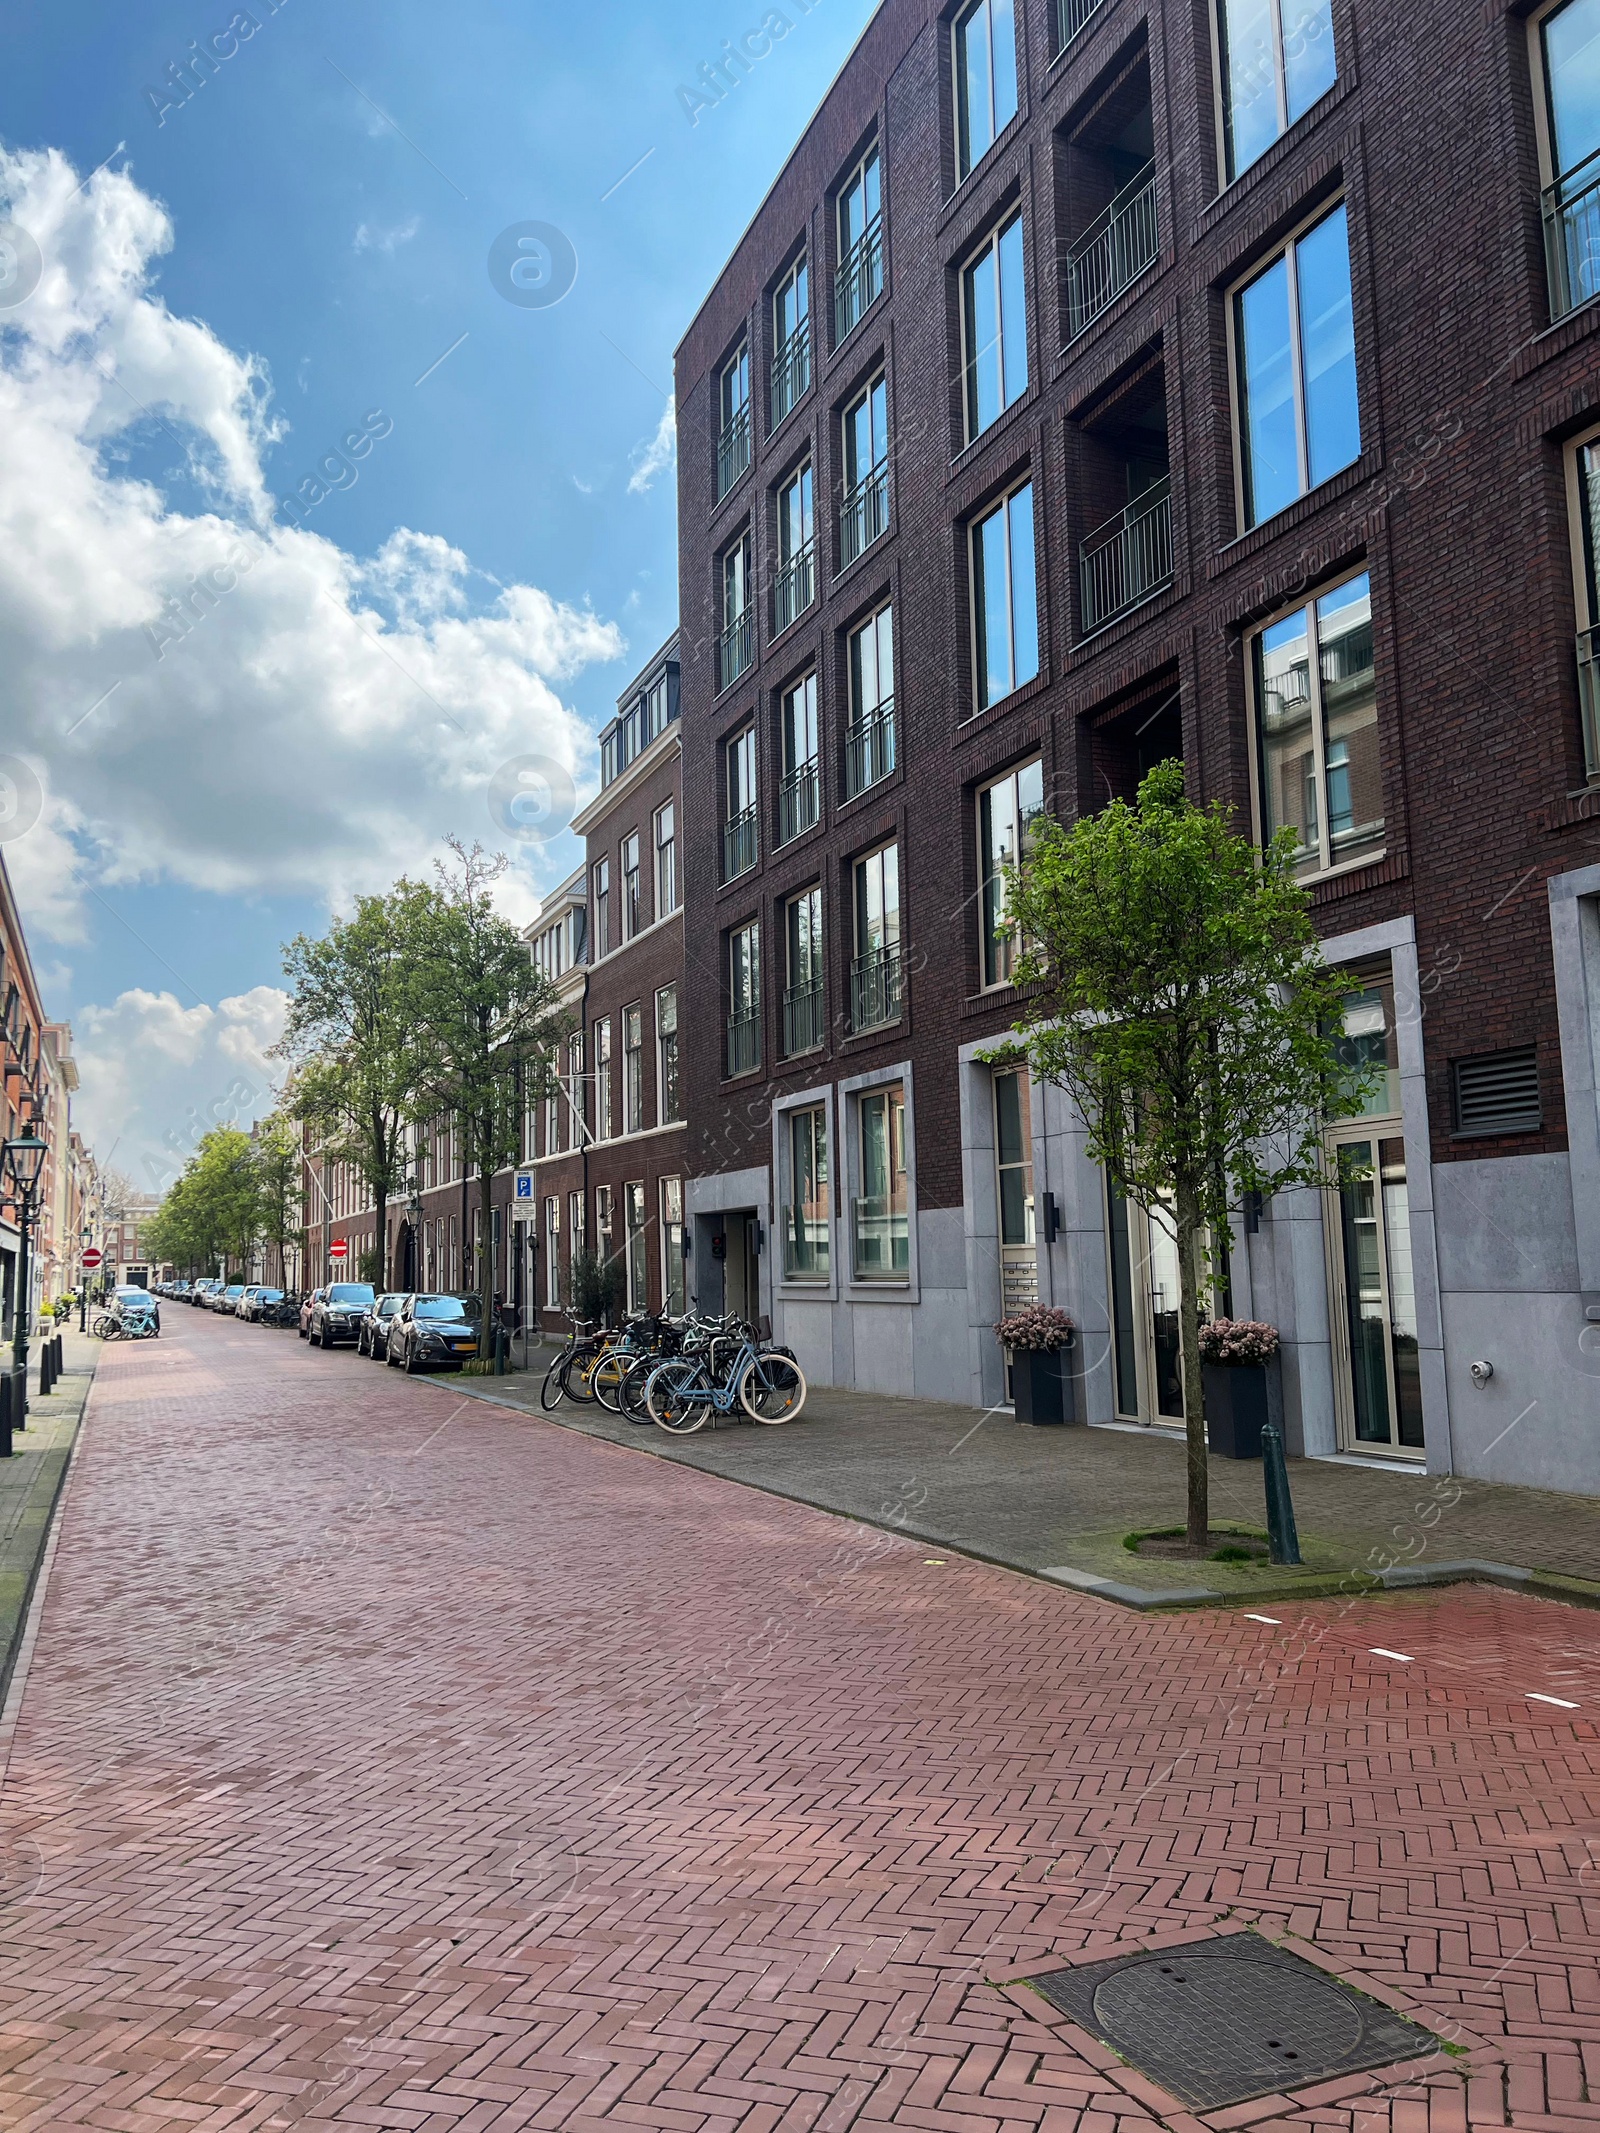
{"type": "Point", "coordinates": [388, 1760]}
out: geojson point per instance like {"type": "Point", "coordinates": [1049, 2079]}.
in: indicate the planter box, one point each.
{"type": "Point", "coordinates": [1042, 1385]}
{"type": "Point", "coordinates": [1240, 1399]}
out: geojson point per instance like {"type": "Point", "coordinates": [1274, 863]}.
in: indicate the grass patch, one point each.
{"type": "Point", "coordinates": [1238, 1544]}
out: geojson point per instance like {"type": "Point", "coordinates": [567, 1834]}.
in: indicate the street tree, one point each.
{"type": "Point", "coordinates": [1177, 995]}
{"type": "Point", "coordinates": [278, 1163]}
{"type": "Point", "coordinates": [213, 1213]}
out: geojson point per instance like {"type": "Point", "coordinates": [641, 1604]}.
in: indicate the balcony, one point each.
{"type": "Point", "coordinates": [733, 450]}
{"type": "Point", "coordinates": [744, 1044]}
{"type": "Point", "coordinates": [739, 845]}
{"type": "Point", "coordinates": [1572, 237]}
{"type": "Point", "coordinates": [1071, 17]}
{"type": "Point", "coordinates": [796, 587]}
{"type": "Point", "coordinates": [799, 801]}
{"type": "Point", "coordinates": [869, 748]}
{"type": "Point", "coordinates": [802, 1018]}
{"type": "Point", "coordinates": [858, 280]}
{"type": "Point", "coordinates": [1113, 252]}
{"type": "Point", "coordinates": [875, 988]}
{"type": "Point", "coordinates": [864, 515]}
{"type": "Point", "coordinates": [791, 372]}
{"type": "Point", "coordinates": [1128, 559]}
{"type": "Point", "coordinates": [735, 649]}
{"type": "Point", "coordinates": [1589, 693]}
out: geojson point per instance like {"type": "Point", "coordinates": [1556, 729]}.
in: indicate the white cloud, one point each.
{"type": "Point", "coordinates": [659, 453]}
{"type": "Point", "coordinates": [284, 717]}
{"type": "Point", "coordinates": [373, 237]}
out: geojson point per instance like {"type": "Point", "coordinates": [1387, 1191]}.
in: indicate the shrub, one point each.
{"type": "Point", "coordinates": [1040, 1329]}
{"type": "Point", "coordinates": [595, 1288]}
{"type": "Point", "coordinates": [1237, 1342]}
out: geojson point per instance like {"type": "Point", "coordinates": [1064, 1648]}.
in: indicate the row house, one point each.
{"type": "Point", "coordinates": [1106, 381]}
{"type": "Point", "coordinates": [40, 1076]}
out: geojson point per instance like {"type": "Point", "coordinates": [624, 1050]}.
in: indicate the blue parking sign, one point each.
{"type": "Point", "coordinates": [524, 1185]}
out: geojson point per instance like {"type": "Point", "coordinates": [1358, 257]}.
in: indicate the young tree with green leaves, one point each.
{"type": "Point", "coordinates": [213, 1214]}
{"type": "Point", "coordinates": [278, 1167]}
{"type": "Point", "coordinates": [1178, 996]}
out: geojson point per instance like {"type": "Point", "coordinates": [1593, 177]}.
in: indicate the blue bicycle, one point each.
{"type": "Point", "coordinates": [687, 1390]}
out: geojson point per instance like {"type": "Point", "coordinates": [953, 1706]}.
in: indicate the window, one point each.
{"type": "Point", "coordinates": [667, 1111]}
{"type": "Point", "coordinates": [791, 340]}
{"type": "Point", "coordinates": [632, 907]}
{"type": "Point", "coordinates": [806, 1210]}
{"type": "Point", "coordinates": [575, 1213]}
{"type": "Point", "coordinates": [552, 1121]}
{"type": "Point", "coordinates": [864, 514]}
{"type": "Point", "coordinates": [1005, 623]}
{"type": "Point", "coordinates": [870, 742]}
{"type": "Point", "coordinates": [1317, 712]}
{"type": "Point", "coordinates": [1007, 811]}
{"type": "Point", "coordinates": [799, 795]}
{"type": "Point", "coordinates": [739, 822]}
{"type": "Point", "coordinates": [796, 582]}
{"type": "Point", "coordinates": [632, 1070]}
{"type": "Point", "coordinates": [602, 1220]}
{"type": "Point", "coordinates": [802, 993]}
{"type": "Point", "coordinates": [880, 1225]}
{"type": "Point", "coordinates": [610, 754]}
{"type": "Point", "coordinates": [744, 999]}
{"type": "Point", "coordinates": [635, 1247]}
{"type": "Point", "coordinates": [578, 1110]}
{"type": "Point", "coordinates": [1277, 59]}
{"type": "Point", "coordinates": [549, 952]}
{"type": "Point", "coordinates": [1296, 352]}
{"type": "Point", "coordinates": [602, 907]}
{"type": "Point", "coordinates": [552, 1252]}
{"type": "Point", "coordinates": [986, 79]}
{"type": "Point", "coordinates": [630, 730]}
{"type": "Point", "coordinates": [1013, 1163]}
{"type": "Point", "coordinates": [875, 970]}
{"type": "Point", "coordinates": [1569, 61]}
{"type": "Point", "coordinates": [666, 859]}
{"type": "Point", "coordinates": [657, 709]}
{"type": "Point", "coordinates": [994, 328]}
{"type": "Point", "coordinates": [602, 1080]}
{"type": "Point", "coordinates": [735, 646]}
{"type": "Point", "coordinates": [670, 1192]}
{"type": "Point", "coordinates": [858, 281]}
{"type": "Point", "coordinates": [733, 436]}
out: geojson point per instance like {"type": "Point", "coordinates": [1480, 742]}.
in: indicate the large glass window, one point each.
{"type": "Point", "coordinates": [636, 1245]}
{"type": "Point", "coordinates": [859, 278]}
{"type": "Point", "coordinates": [791, 340]}
{"type": "Point", "coordinates": [667, 1100]}
{"type": "Point", "coordinates": [1317, 713]}
{"type": "Point", "coordinates": [632, 1070]}
{"type": "Point", "coordinates": [672, 1261]}
{"type": "Point", "coordinates": [1007, 811]}
{"type": "Point", "coordinates": [1277, 59]}
{"type": "Point", "coordinates": [986, 79]}
{"type": "Point", "coordinates": [802, 996]}
{"type": "Point", "coordinates": [1295, 331]}
{"type": "Point", "coordinates": [881, 1227]}
{"type": "Point", "coordinates": [666, 834]}
{"type": "Point", "coordinates": [577, 1108]}
{"type": "Point", "coordinates": [739, 823]}
{"type": "Point", "coordinates": [864, 513]}
{"type": "Point", "coordinates": [602, 907]}
{"type": "Point", "coordinates": [603, 1126]}
{"type": "Point", "coordinates": [744, 998]}
{"type": "Point", "coordinates": [1570, 54]}
{"type": "Point", "coordinates": [1004, 614]}
{"type": "Point", "coordinates": [1586, 512]}
{"type": "Point", "coordinates": [800, 797]}
{"type": "Point", "coordinates": [875, 971]}
{"type": "Point", "coordinates": [632, 909]}
{"type": "Point", "coordinates": [870, 744]}
{"type": "Point", "coordinates": [806, 1212]}
{"type": "Point", "coordinates": [796, 581]}
{"type": "Point", "coordinates": [1013, 1154]}
{"type": "Point", "coordinates": [733, 437]}
{"type": "Point", "coordinates": [552, 1253]}
{"type": "Point", "coordinates": [994, 328]}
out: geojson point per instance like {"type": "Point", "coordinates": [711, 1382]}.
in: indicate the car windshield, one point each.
{"type": "Point", "coordinates": [388, 1305]}
{"type": "Point", "coordinates": [235, 1288]}
{"type": "Point", "coordinates": [446, 1307]}
{"type": "Point", "coordinates": [269, 1296]}
{"type": "Point", "coordinates": [350, 1292]}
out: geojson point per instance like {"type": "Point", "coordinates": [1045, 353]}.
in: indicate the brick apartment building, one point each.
{"type": "Point", "coordinates": [1106, 380]}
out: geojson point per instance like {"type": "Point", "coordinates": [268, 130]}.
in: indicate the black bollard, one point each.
{"type": "Point", "coordinates": [61, 1354]}
{"type": "Point", "coordinates": [18, 1382]}
{"type": "Point", "coordinates": [1283, 1541]}
{"type": "Point", "coordinates": [45, 1360]}
{"type": "Point", "coordinates": [5, 1414]}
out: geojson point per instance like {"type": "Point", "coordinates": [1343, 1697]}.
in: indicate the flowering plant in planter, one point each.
{"type": "Point", "coordinates": [1237, 1343]}
{"type": "Point", "coordinates": [1038, 1330]}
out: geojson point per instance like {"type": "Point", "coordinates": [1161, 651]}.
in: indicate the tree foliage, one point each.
{"type": "Point", "coordinates": [211, 1218]}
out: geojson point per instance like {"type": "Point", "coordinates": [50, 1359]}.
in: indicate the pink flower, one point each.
{"type": "Point", "coordinates": [1039, 1329]}
{"type": "Point", "coordinates": [1237, 1342]}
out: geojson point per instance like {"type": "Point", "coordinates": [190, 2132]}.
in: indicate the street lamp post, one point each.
{"type": "Point", "coordinates": [85, 1239]}
{"type": "Point", "coordinates": [24, 1159]}
{"type": "Point", "coordinates": [414, 1234]}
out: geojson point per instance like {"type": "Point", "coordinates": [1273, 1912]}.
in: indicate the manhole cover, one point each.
{"type": "Point", "coordinates": [1222, 2021]}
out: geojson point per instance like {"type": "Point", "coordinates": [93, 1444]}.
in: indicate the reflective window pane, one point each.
{"type": "Point", "coordinates": [1572, 78]}
{"type": "Point", "coordinates": [1266, 366]}
{"type": "Point", "coordinates": [1250, 81]}
{"type": "Point", "coordinates": [1328, 348]}
{"type": "Point", "coordinates": [1309, 70]}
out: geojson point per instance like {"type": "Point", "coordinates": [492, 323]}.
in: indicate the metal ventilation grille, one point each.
{"type": "Point", "coordinates": [1498, 1093]}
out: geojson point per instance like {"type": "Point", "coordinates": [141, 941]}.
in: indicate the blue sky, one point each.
{"type": "Point", "coordinates": [333, 191]}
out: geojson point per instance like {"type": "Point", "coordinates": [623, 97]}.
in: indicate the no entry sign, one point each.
{"type": "Point", "coordinates": [338, 1248]}
{"type": "Point", "coordinates": [93, 1256]}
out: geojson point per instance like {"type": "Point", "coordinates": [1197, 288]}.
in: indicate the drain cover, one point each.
{"type": "Point", "coordinates": [1225, 2020]}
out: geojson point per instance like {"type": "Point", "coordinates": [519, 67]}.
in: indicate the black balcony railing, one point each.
{"type": "Point", "coordinates": [739, 845]}
{"type": "Point", "coordinates": [864, 514]}
{"type": "Point", "coordinates": [733, 450]}
{"type": "Point", "coordinates": [791, 372]}
{"type": "Point", "coordinates": [870, 748]}
{"type": "Point", "coordinates": [858, 280]}
{"type": "Point", "coordinates": [1127, 559]}
{"type": "Point", "coordinates": [875, 988]}
{"type": "Point", "coordinates": [744, 1043]}
{"type": "Point", "coordinates": [1113, 252]}
{"type": "Point", "coordinates": [1572, 236]}
{"type": "Point", "coordinates": [1071, 17]}
{"type": "Point", "coordinates": [735, 649]}
{"type": "Point", "coordinates": [795, 587]}
{"type": "Point", "coordinates": [802, 1018]}
{"type": "Point", "coordinates": [1589, 692]}
{"type": "Point", "coordinates": [799, 801]}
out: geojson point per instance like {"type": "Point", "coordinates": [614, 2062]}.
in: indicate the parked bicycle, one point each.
{"type": "Point", "coordinates": [734, 1371]}
{"type": "Point", "coordinates": [570, 1372]}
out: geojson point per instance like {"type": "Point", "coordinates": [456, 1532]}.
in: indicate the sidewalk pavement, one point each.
{"type": "Point", "coordinates": [30, 1480]}
{"type": "Point", "coordinates": [1059, 1502]}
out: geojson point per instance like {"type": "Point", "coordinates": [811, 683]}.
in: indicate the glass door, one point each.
{"type": "Point", "coordinates": [1375, 1320]}
{"type": "Point", "coordinates": [1147, 1352]}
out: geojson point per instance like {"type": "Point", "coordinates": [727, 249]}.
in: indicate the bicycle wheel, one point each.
{"type": "Point", "coordinates": [679, 1397]}
{"type": "Point", "coordinates": [606, 1379]}
{"type": "Point", "coordinates": [631, 1394]}
{"type": "Point", "coordinates": [577, 1374]}
{"type": "Point", "coordinates": [773, 1388]}
{"type": "Point", "coordinates": [106, 1327]}
{"type": "Point", "coordinates": [551, 1391]}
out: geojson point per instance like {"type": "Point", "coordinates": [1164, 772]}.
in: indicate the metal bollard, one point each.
{"type": "Point", "coordinates": [46, 1358]}
{"type": "Point", "coordinates": [499, 1351]}
{"type": "Point", "coordinates": [5, 1414]}
{"type": "Point", "coordinates": [1283, 1539]}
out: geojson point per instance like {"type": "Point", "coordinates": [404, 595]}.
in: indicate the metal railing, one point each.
{"type": "Point", "coordinates": [1113, 252]}
{"type": "Point", "coordinates": [791, 372]}
{"type": "Point", "coordinates": [858, 279]}
{"type": "Point", "coordinates": [744, 1043]}
{"type": "Point", "coordinates": [735, 649]}
{"type": "Point", "coordinates": [733, 450]}
{"type": "Point", "coordinates": [795, 587]}
{"type": "Point", "coordinates": [875, 988]}
{"type": "Point", "coordinates": [870, 748]}
{"type": "Point", "coordinates": [799, 801]}
{"type": "Point", "coordinates": [1127, 559]}
{"type": "Point", "coordinates": [739, 844]}
{"type": "Point", "coordinates": [864, 514]}
{"type": "Point", "coordinates": [802, 1018]}
{"type": "Point", "coordinates": [1071, 16]}
{"type": "Point", "coordinates": [1572, 236]}
{"type": "Point", "coordinates": [1589, 694]}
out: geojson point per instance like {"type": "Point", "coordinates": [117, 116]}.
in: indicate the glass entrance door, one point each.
{"type": "Point", "coordinates": [1147, 1353]}
{"type": "Point", "coordinates": [1376, 1319]}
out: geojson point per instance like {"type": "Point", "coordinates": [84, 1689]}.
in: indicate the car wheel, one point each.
{"type": "Point", "coordinates": [412, 1367]}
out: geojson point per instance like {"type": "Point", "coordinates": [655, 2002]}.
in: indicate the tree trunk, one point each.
{"type": "Point", "coordinates": [485, 1251]}
{"type": "Point", "coordinates": [380, 1148]}
{"type": "Point", "coordinates": [1194, 1413]}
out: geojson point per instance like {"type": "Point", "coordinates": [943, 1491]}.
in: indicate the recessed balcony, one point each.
{"type": "Point", "coordinates": [1128, 559]}
{"type": "Point", "coordinates": [1113, 252]}
{"type": "Point", "coordinates": [735, 648]}
{"type": "Point", "coordinates": [733, 451]}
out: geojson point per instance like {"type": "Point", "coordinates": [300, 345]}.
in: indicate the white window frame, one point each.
{"type": "Point", "coordinates": [633, 1068]}
{"type": "Point", "coordinates": [630, 880]}
{"type": "Point", "coordinates": [900, 1289]}
{"type": "Point", "coordinates": [552, 1247]}
{"type": "Point", "coordinates": [663, 1117]}
{"type": "Point", "coordinates": [1586, 606]}
{"type": "Point", "coordinates": [1004, 952]}
{"type": "Point", "coordinates": [604, 1113]}
{"type": "Point", "coordinates": [667, 1224]}
{"type": "Point", "coordinates": [636, 1245]}
{"type": "Point", "coordinates": [666, 864]}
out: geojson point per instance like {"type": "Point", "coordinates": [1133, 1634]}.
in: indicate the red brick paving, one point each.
{"type": "Point", "coordinates": [396, 1762]}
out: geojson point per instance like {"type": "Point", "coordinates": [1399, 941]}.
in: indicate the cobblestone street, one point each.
{"type": "Point", "coordinates": [388, 1759]}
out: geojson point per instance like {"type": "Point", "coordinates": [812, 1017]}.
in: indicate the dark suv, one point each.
{"type": "Point", "coordinates": [337, 1314]}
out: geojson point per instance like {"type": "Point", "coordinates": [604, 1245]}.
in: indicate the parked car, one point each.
{"type": "Point", "coordinates": [308, 1305]}
{"type": "Point", "coordinates": [256, 1303]}
{"type": "Point", "coordinates": [373, 1338]}
{"type": "Point", "coordinates": [212, 1290]}
{"type": "Point", "coordinates": [197, 1292]}
{"type": "Point", "coordinates": [433, 1329]}
{"type": "Point", "coordinates": [242, 1308]}
{"type": "Point", "coordinates": [338, 1313]}
{"type": "Point", "coordinates": [227, 1299]}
